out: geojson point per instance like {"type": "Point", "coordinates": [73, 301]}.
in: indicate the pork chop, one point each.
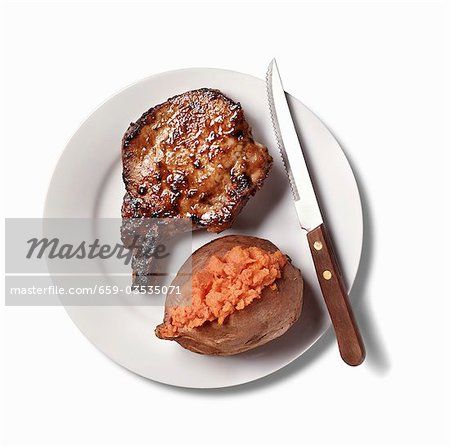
{"type": "Point", "coordinates": [192, 157]}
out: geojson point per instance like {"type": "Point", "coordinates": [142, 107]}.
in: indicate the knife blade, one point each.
{"type": "Point", "coordinates": [351, 346]}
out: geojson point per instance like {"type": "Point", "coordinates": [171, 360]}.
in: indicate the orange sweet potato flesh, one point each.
{"type": "Point", "coordinates": [227, 284]}
{"type": "Point", "coordinates": [243, 293]}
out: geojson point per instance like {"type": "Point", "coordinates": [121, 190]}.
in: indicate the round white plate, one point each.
{"type": "Point", "coordinates": [87, 183]}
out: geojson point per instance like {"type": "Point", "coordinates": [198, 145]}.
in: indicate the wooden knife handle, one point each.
{"type": "Point", "coordinates": [334, 292]}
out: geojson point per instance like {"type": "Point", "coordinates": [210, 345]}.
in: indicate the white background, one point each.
{"type": "Point", "coordinates": [375, 73]}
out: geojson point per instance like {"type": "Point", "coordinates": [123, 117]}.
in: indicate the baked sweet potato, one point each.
{"type": "Point", "coordinates": [264, 319]}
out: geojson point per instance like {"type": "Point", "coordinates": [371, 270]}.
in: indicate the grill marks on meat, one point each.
{"type": "Point", "coordinates": [192, 156]}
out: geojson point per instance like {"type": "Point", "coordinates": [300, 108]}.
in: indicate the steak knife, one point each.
{"type": "Point", "coordinates": [351, 346]}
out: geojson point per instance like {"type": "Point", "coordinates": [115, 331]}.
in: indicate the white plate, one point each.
{"type": "Point", "coordinates": [87, 182]}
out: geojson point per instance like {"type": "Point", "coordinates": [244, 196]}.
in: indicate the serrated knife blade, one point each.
{"type": "Point", "coordinates": [351, 346]}
{"type": "Point", "coordinates": [305, 199]}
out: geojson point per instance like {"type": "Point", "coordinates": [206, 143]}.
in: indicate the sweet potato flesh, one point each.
{"type": "Point", "coordinates": [227, 284]}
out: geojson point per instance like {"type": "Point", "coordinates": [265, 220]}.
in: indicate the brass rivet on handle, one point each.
{"type": "Point", "coordinates": [318, 245]}
{"type": "Point", "coordinates": [327, 274]}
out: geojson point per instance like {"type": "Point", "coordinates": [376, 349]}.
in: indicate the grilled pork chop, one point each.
{"type": "Point", "coordinates": [191, 157]}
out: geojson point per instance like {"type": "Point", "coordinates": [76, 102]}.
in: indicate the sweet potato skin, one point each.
{"type": "Point", "coordinates": [260, 322]}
